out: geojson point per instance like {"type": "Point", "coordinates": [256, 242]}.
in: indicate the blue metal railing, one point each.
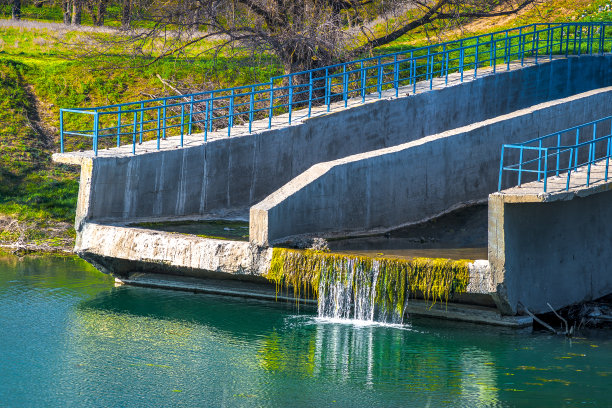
{"type": "Point", "coordinates": [301, 91]}
{"type": "Point", "coordinates": [560, 154]}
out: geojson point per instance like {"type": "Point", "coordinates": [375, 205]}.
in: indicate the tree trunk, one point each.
{"type": "Point", "coordinates": [126, 14]}
{"type": "Point", "coordinates": [16, 10]}
{"type": "Point", "coordinates": [66, 6]}
{"type": "Point", "coordinates": [77, 9]}
{"type": "Point", "coordinates": [101, 13]}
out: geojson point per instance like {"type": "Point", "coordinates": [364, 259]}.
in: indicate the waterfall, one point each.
{"type": "Point", "coordinates": [348, 290]}
{"type": "Point", "coordinates": [364, 288]}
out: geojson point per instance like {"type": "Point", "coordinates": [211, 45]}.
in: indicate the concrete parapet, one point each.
{"type": "Point", "coordinates": [235, 173]}
{"type": "Point", "coordinates": [411, 182]}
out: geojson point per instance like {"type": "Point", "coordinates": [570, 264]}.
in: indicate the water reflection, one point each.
{"type": "Point", "coordinates": [67, 337]}
{"type": "Point", "coordinates": [265, 349]}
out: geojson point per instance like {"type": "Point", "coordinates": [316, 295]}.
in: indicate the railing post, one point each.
{"type": "Point", "coordinates": [141, 122]}
{"type": "Point", "coordinates": [211, 112]}
{"type": "Point", "coordinates": [61, 130]}
{"type": "Point", "coordinates": [577, 141]}
{"type": "Point", "coordinates": [363, 83]}
{"type": "Point", "coordinates": [567, 38]}
{"type": "Point", "coordinates": [413, 71]}
{"type": "Point", "coordinates": [95, 135]}
{"type": "Point", "coordinates": [501, 169]}
{"type": "Point", "coordinates": [494, 56]}
{"type": "Point", "coordinates": [461, 58]}
{"type": "Point", "coordinates": [602, 33]}
{"type": "Point", "coordinates": [327, 89]}
{"type": "Point", "coordinates": [548, 37]}
{"type": "Point", "coordinates": [230, 114]}
{"type": "Point", "coordinates": [539, 159]}
{"type": "Point", "coordinates": [520, 166]}
{"type": "Point", "coordinates": [558, 152]}
{"type": "Point", "coordinates": [396, 74]}
{"type": "Point", "coordinates": [251, 108]}
{"type": "Point", "coordinates": [592, 152]}
{"type": "Point", "coordinates": [476, 56]}
{"type": "Point", "coordinates": [545, 168]}
{"type": "Point", "coordinates": [607, 157]}
{"type": "Point", "coordinates": [290, 97]}
{"type": "Point", "coordinates": [580, 42]}
{"type": "Point", "coordinates": [380, 78]}
{"type": "Point", "coordinates": [431, 62]}
{"type": "Point", "coordinates": [119, 127]}
{"type": "Point", "coordinates": [190, 114]}
{"type": "Point", "coordinates": [134, 132]}
{"type": "Point", "coordinates": [158, 126]}
{"type": "Point", "coordinates": [446, 58]}
{"type": "Point", "coordinates": [205, 120]}
{"type": "Point", "coordinates": [507, 52]}
{"type": "Point", "coordinates": [271, 110]}
{"type": "Point", "coordinates": [575, 39]}
{"type": "Point", "coordinates": [310, 94]}
{"type": "Point", "coordinates": [164, 120]}
{"type": "Point", "coordinates": [182, 122]}
{"type": "Point", "coordinates": [569, 169]}
{"type": "Point", "coordinates": [344, 86]}
{"type": "Point", "coordinates": [522, 41]}
{"type": "Point", "coordinates": [537, 46]}
{"type": "Point", "coordinates": [533, 41]}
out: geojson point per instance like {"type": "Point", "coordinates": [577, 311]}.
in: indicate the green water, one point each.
{"type": "Point", "coordinates": [68, 337]}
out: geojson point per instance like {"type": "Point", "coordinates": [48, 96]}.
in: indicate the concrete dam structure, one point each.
{"type": "Point", "coordinates": [393, 153]}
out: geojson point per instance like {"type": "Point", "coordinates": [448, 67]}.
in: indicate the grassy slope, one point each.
{"type": "Point", "coordinates": [37, 198]}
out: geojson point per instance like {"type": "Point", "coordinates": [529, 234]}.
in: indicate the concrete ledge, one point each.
{"type": "Point", "coordinates": [120, 250]}
{"type": "Point", "coordinates": [415, 307]}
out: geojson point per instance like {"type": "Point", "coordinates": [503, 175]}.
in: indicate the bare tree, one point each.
{"type": "Point", "coordinates": [77, 10]}
{"type": "Point", "coordinates": [126, 13]}
{"type": "Point", "coordinates": [97, 10]}
{"type": "Point", "coordinates": [66, 10]}
{"type": "Point", "coordinates": [302, 34]}
{"type": "Point", "coordinates": [16, 10]}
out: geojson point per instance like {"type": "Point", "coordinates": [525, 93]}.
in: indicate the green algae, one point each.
{"type": "Point", "coordinates": [392, 280]}
{"type": "Point", "coordinates": [215, 229]}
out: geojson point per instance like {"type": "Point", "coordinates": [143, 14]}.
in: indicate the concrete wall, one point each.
{"type": "Point", "coordinates": [550, 252]}
{"type": "Point", "coordinates": [411, 182]}
{"type": "Point", "coordinates": [240, 171]}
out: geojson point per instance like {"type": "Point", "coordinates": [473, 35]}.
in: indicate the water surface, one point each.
{"type": "Point", "coordinates": [68, 337]}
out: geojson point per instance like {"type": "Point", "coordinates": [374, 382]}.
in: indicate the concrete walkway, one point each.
{"type": "Point", "coordinates": [556, 186]}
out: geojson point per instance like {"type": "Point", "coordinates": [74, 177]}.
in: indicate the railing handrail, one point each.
{"type": "Point", "coordinates": [353, 77]}
{"type": "Point", "coordinates": [574, 162]}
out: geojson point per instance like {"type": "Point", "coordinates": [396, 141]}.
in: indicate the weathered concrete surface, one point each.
{"type": "Point", "coordinates": [400, 185]}
{"type": "Point", "coordinates": [120, 250]}
{"type": "Point", "coordinates": [235, 173]}
{"type": "Point", "coordinates": [551, 247]}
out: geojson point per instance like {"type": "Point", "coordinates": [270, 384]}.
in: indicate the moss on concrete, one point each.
{"type": "Point", "coordinates": [395, 279]}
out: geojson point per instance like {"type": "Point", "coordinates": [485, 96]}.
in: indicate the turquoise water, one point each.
{"type": "Point", "coordinates": [68, 337]}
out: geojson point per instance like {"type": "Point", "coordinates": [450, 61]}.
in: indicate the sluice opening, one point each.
{"type": "Point", "coordinates": [460, 234]}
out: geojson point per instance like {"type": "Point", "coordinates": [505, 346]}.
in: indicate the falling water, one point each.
{"type": "Point", "coordinates": [348, 290]}
{"type": "Point", "coordinates": [364, 288]}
